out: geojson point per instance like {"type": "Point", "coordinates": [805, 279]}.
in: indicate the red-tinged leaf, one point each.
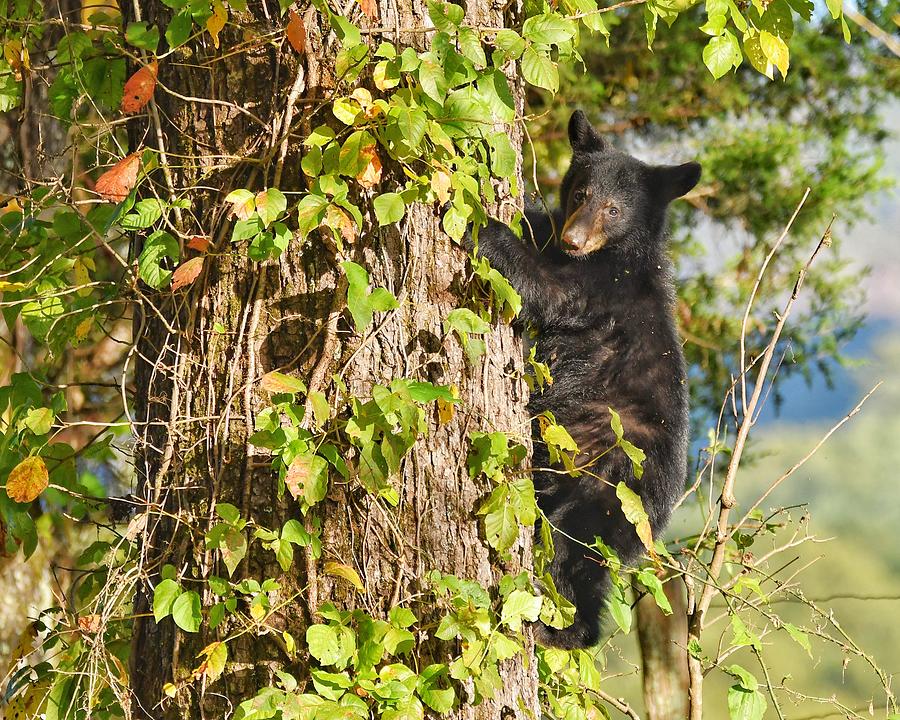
{"type": "Point", "coordinates": [278, 382]}
{"type": "Point", "coordinates": [27, 480]}
{"type": "Point", "coordinates": [200, 243]}
{"type": "Point", "coordinates": [371, 173]}
{"type": "Point", "coordinates": [186, 273]}
{"type": "Point", "coordinates": [115, 184]}
{"type": "Point", "coordinates": [243, 203]}
{"type": "Point", "coordinates": [340, 222]}
{"type": "Point", "coordinates": [296, 33]}
{"type": "Point", "coordinates": [139, 88]}
{"type": "Point", "coordinates": [370, 8]}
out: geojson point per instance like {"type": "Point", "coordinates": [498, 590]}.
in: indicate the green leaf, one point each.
{"type": "Point", "coordinates": [157, 247]}
{"type": "Point", "coordinates": [620, 609]}
{"type": "Point", "coordinates": [216, 654]}
{"type": "Point", "coordinates": [186, 611]}
{"type": "Point", "coordinates": [539, 70]}
{"type": "Point", "coordinates": [493, 87]}
{"type": "Point", "coordinates": [470, 46]}
{"type": "Point", "coordinates": [141, 36]}
{"type": "Point", "coordinates": [429, 688]}
{"type": "Point", "coordinates": [402, 617]}
{"type": "Point", "coordinates": [424, 392]}
{"type": "Point", "coordinates": [800, 637]}
{"type": "Point", "coordinates": [510, 43]}
{"type": "Point", "coordinates": [745, 705]}
{"type": "Point", "coordinates": [446, 17]}
{"type": "Point", "coordinates": [270, 205]}
{"type": "Point", "coordinates": [389, 208]}
{"type": "Point", "coordinates": [164, 595]}
{"type": "Point", "coordinates": [331, 645]}
{"type": "Point", "coordinates": [310, 213]}
{"type": "Point", "coordinates": [747, 680]}
{"type": "Point", "coordinates": [143, 214]}
{"type": "Point", "coordinates": [648, 579]}
{"type": "Point", "coordinates": [431, 78]}
{"type": "Point", "coordinates": [500, 526]}
{"type": "Point", "coordinates": [721, 54]}
{"type": "Point", "coordinates": [179, 30]}
{"type": "Point", "coordinates": [548, 29]}
{"type": "Point", "coordinates": [360, 301]}
{"type": "Point", "coordinates": [557, 435]}
{"type": "Point", "coordinates": [503, 157]}
{"type": "Point", "coordinates": [742, 635]}
{"type": "Point", "coordinates": [345, 30]}
{"type": "Point", "coordinates": [464, 320]}
{"type": "Point", "coordinates": [520, 605]}
{"type": "Point", "coordinates": [39, 420]}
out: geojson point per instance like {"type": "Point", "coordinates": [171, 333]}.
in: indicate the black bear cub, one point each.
{"type": "Point", "coordinates": [596, 285]}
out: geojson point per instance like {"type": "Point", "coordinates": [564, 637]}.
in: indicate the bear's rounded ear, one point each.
{"type": "Point", "coordinates": [582, 135]}
{"type": "Point", "coordinates": [673, 181]}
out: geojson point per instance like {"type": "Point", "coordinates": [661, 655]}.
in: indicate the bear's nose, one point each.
{"type": "Point", "coordinates": [573, 241]}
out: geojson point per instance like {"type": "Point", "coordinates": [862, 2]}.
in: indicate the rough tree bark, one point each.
{"type": "Point", "coordinates": [199, 391]}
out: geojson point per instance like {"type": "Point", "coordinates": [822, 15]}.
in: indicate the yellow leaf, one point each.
{"type": "Point", "coordinates": [216, 654]}
{"type": "Point", "coordinates": [83, 328]}
{"type": "Point", "coordinates": [447, 409]}
{"type": "Point", "coordinates": [344, 571]}
{"type": "Point", "coordinates": [216, 21]}
{"type": "Point", "coordinates": [634, 512]}
{"type": "Point", "coordinates": [81, 277]}
{"type": "Point", "coordinates": [90, 8]}
{"type": "Point", "coordinates": [440, 185]}
{"type": "Point", "coordinates": [170, 690]}
{"type": "Point", "coordinates": [27, 480]}
{"type": "Point", "coordinates": [362, 96]}
{"type": "Point", "coordinates": [257, 612]}
{"type": "Point", "coordinates": [11, 286]}
{"type": "Point", "coordinates": [776, 51]}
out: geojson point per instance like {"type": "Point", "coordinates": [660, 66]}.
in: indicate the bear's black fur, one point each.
{"type": "Point", "coordinates": [599, 292]}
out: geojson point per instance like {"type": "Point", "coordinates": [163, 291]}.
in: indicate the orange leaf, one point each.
{"type": "Point", "coordinates": [370, 8]}
{"type": "Point", "coordinates": [340, 222]}
{"type": "Point", "coordinates": [115, 184]}
{"type": "Point", "coordinates": [216, 21]}
{"type": "Point", "coordinates": [90, 624]}
{"type": "Point", "coordinates": [371, 173]}
{"type": "Point", "coordinates": [296, 33]}
{"type": "Point", "coordinates": [200, 243]}
{"type": "Point", "coordinates": [139, 89]}
{"type": "Point", "coordinates": [27, 480]}
{"type": "Point", "coordinates": [186, 273]}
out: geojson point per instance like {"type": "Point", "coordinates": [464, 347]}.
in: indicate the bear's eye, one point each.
{"type": "Point", "coordinates": [579, 197]}
{"type": "Point", "coordinates": [613, 211]}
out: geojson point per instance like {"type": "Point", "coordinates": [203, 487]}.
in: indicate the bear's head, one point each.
{"type": "Point", "coordinates": [612, 200]}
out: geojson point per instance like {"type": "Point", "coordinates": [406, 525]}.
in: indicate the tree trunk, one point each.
{"type": "Point", "coordinates": [663, 639]}
{"type": "Point", "coordinates": [199, 387]}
